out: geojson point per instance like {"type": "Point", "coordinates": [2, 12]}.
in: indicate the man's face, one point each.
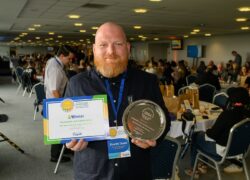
{"type": "Point", "coordinates": [111, 51]}
{"type": "Point", "coordinates": [67, 59]}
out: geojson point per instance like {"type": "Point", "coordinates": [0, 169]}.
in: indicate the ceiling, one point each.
{"type": "Point", "coordinates": [164, 20]}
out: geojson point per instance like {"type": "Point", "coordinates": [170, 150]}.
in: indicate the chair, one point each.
{"type": "Point", "coordinates": [221, 100]}
{"type": "Point", "coordinates": [190, 79]}
{"type": "Point", "coordinates": [182, 90]}
{"type": "Point", "coordinates": [26, 82]}
{"type": "Point", "coordinates": [19, 73]}
{"type": "Point", "coordinates": [5, 138]}
{"type": "Point", "coordinates": [40, 95]}
{"type": "Point", "coordinates": [237, 145]}
{"type": "Point", "coordinates": [206, 92]}
{"type": "Point", "coordinates": [59, 159]}
{"type": "Point", "coordinates": [164, 159]}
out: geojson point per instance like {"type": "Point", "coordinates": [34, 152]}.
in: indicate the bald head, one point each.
{"type": "Point", "coordinates": [112, 28]}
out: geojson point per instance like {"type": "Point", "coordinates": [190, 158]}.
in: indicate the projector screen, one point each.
{"type": "Point", "coordinates": [194, 51]}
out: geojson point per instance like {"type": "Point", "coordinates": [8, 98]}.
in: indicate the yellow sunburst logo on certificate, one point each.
{"type": "Point", "coordinates": [67, 105]}
{"type": "Point", "coordinates": [112, 132]}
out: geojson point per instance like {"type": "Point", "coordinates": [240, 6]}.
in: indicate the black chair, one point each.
{"type": "Point", "coordinates": [60, 158]}
{"type": "Point", "coordinates": [221, 100]}
{"type": "Point", "coordinates": [5, 138]}
{"type": "Point", "coordinates": [183, 90]}
{"type": "Point", "coordinates": [164, 159]}
{"type": "Point", "coordinates": [26, 82]}
{"type": "Point", "coordinates": [190, 79]}
{"type": "Point", "coordinates": [237, 145]}
{"type": "Point", "coordinates": [19, 73]}
{"type": "Point", "coordinates": [206, 92]}
{"type": "Point", "coordinates": [40, 95]}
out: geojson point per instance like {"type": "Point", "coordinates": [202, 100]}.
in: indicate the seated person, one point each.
{"type": "Point", "coordinates": [247, 84]}
{"type": "Point", "coordinates": [243, 75]}
{"type": "Point", "coordinates": [216, 138]}
{"type": "Point", "coordinates": [209, 77]}
{"type": "Point", "coordinates": [30, 69]}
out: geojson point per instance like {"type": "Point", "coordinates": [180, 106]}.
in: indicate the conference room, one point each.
{"type": "Point", "coordinates": [189, 60]}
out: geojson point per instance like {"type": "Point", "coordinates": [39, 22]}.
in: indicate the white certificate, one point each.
{"type": "Point", "coordinates": [75, 118]}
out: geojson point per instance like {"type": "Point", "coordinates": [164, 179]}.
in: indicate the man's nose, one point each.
{"type": "Point", "coordinates": [111, 49]}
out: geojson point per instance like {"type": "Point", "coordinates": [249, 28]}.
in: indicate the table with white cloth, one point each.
{"type": "Point", "coordinates": [225, 86]}
{"type": "Point", "coordinates": [201, 123]}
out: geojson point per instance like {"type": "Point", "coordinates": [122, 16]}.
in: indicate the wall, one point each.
{"type": "Point", "coordinates": [218, 48]}
{"type": "Point", "coordinates": [5, 50]}
{"type": "Point", "coordinates": [157, 50]}
{"type": "Point", "coordinates": [143, 51]}
{"type": "Point", "coordinates": [139, 52]}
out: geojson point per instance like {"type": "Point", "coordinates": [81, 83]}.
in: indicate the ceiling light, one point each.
{"type": "Point", "coordinates": [59, 36]}
{"type": "Point", "coordinates": [196, 30]}
{"type": "Point", "coordinates": [140, 10]}
{"type": "Point", "coordinates": [244, 28]}
{"type": "Point", "coordinates": [78, 24]}
{"type": "Point", "coordinates": [38, 38]}
{"type": "Point", "coordinates": [29, 40]}
{"type": "Point", "coordinates": [81, 40]}
{"type": "Point", "coordinates": [137, 27]}
{"type": "Point", "coordinates": [21, 35]}
{"type": "Point", "coordinates": [24, 33]}
{"type": "Point", "coordinates": [74, 16]}
{"type": "Point", "coordinates": [51, 33]}
{"type": "Point", "coordinates": [155, 0]}
{"type": "Point", "coordinates": [50, 39]}
{"type": "Point", "coordinates": [244, 9]}
{"type": "Point", "coordinates": [208, 34]}
{"type": "Point", "coordinates": [31, 29]}
{"type": "Point", "coordinates": [82, 30]}
{"type": "Point", "coordinates": [156, 39]}
{"type": "Point", "coordinates": [37, 25]}
{"type": "Point", "coordinates": [185, 36]}
{"type": "Point", "coordinates": [94, 27]}
{"type": "Point", "coordinates": [193, 32]}
{"type": "Point", "coordinates": [241, 19]}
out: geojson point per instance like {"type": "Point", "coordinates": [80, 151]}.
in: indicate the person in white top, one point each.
{"type": "Point", "coordinates": [55, 82]}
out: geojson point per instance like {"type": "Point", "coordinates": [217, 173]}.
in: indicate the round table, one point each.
{"type": "Point", "coordinates": [201, 123]}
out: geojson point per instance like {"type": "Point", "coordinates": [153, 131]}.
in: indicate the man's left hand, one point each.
{"type": "Point", "coordinates": [144, 144]}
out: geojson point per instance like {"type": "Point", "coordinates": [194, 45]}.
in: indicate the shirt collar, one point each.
{"type": "Point", "coordinates": [114, 79]}
{"type": "Point", "coordinates": [59, 61]}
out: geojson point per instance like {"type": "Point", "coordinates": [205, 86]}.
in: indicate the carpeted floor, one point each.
{"type": "Point", "coordinates": [28, 134]}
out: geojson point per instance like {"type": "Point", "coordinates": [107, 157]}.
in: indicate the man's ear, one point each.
{"type": "Point", "coordinates": [128, 47]}
{"type": "Point", "coordinates": [93, 47]}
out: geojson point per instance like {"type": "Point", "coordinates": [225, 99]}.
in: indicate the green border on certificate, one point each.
{"type": "Point", "coordinates": [83, 117]}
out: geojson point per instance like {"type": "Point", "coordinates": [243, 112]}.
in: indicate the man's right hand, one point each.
{"type": "Point", "coordinates": [75, 145]}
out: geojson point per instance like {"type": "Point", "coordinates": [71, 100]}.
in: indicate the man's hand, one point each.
{"type": "Point", "coordinates": [75, 145]}
{"type": "Point", "coordinates": [144, 144]}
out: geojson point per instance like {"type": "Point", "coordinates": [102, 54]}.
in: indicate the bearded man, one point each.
{"type": "Point", "coordinates": [112, 76]}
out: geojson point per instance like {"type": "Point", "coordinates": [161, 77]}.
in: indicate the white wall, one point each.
{"type": "Point", "coordinates": [139, 52]}
{"type": "Point", "coordinates": [143, 51]}
{"type": "Point", "coordinates": [5, 50]}
{"type": "Point", "coordinates": [217, 48]}
{"type": "Point", "coordinates": [31, 49]}
{"type": "Point", "coordinates": [157, 50]}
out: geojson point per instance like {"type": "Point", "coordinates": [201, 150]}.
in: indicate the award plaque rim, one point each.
{"type": "Point", "coordinates": [144, 101]}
